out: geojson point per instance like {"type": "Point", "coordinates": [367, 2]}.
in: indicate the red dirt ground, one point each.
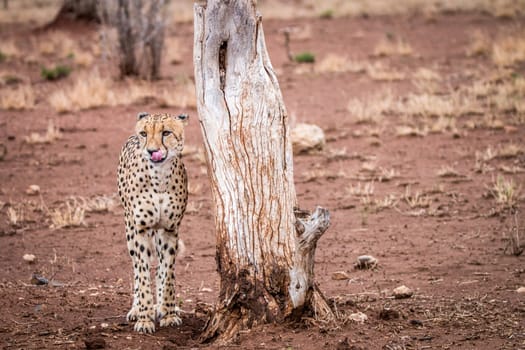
{"type": "Point", "coordinates": [451, 253]}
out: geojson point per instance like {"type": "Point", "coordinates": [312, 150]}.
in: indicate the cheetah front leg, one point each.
{"type": "Point", "coordinates": [167, 247]}
{"type": "Point", "coordinates": [142, 310]}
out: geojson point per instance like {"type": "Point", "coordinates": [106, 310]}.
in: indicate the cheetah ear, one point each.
{"type": "Point", "coordinates": [142, 115]}
{"type": "Point", "coordinates": [183, 118]}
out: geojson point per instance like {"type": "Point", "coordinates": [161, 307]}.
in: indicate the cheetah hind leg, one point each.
{"type": "Point", "coordinates": [142, 310]}
{"type": "Point", "coordinates": [134, 311]}
{"type": "Point", "coordinates": [168, 313]}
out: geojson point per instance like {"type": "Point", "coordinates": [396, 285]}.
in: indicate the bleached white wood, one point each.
{"type": "Point", "coordinates": [250, 164]}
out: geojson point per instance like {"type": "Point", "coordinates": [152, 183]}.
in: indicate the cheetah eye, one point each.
{"type": "Point", "coordinates": [143, 134]}
{"type": "Point", "coordinates": [166, 133]}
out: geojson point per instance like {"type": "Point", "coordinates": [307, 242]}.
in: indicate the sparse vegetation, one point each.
{"type": "Point", "coordinates": [417, 199]}
{"type": "Point", "coordinates": [18, 98]}
{"type": "Point", "coordinates": [447, 171]}
{"type": "Point", "coordinates": [70, 214]}
{"type": "Point", "coordinates": [505, 192]}
{"type": "Point", "coordinates": [371, 110]}
{"type": "Point", "coordinates": [97, 204]}
{"type": "Point", "coordinates": [15, 215]}
{"type": "Point", "coordinates": [392, 46]}
{"type": "Point", "coordinates": [414, 202]}
{"type": "Point", "coordinates": [509, 50]}
{"type": "Point", "coordinates": [52, 134]}
{"type": "Point", "coordinates": [305, 57]}
{"type": "Point", "coordinates": [327, 14]}
{"type": "Point", "coordinates": [58, 72]}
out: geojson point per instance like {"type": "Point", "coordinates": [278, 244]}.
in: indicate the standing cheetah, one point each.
{"type": "Point", "coordinates": [152, 186]}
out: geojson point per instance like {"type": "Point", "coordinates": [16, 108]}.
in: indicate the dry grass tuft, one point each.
{"type": "Point", "coordinates": [480, 45]}
{"type": "Point", "coordinates": [510, 50]}
{"type": "Point", "coordinates": [408, 130]}
{"type": "Point", "coordinates": [70, 214]}
{"type": "Point", "coordinates": [455, 104]}
{"type": "Point", "coordinates": [371, 110]}
{"type": "Point", "coordinates": [91, 90]}
{"type": "Point", "coordinates": [361, 190]}
{"type": "Point", "coordinates": [417, 199]}
{"type": "Point", "coordinates": [37, 13]}
{"type": "Point", "coordinates": [52, 134]}
{"type": "Point", "coordinates": [15, 215]}
{"type": "Point", "coordinates": [510, 150]}
{"type": "Point", "coordinates": [97, 204]}
{"type": "Point", "coordinates": [505, 192]}
{"type": "Point", "coordinates": [447, 171]}
{"type": "Point", "coordinates": [427, 74]}
{"type": "Point", "coordinates": [333, 63]}
{"type": "Point", "coordinates": [19, 98]}
{"type": "Point", "coordinates": [9, 49]}
{"type": "Point", "coordinates": [377, 71]}
{"type": "Point", "coordinates": [390, 46]}
{"type": "Point", "coordinates": [182, 96]}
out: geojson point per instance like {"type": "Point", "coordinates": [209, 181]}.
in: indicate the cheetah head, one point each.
{"type": "Point", "coordinates": [161, 136]}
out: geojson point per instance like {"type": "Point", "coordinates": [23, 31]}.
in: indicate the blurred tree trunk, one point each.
{"type": "Point", "coordinates": [78, 9]}
{"type": "Point", "coordinates": [140, 27]}
{"type": "Point", "coordinates": [265, 245]}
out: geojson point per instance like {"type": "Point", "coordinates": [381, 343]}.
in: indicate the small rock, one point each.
{"type": "Point", "coordinates": [388, 314]}
{"type": "Point", "coordinates": [340, 275]}
{"type": "Point", "coordinates": [402, 292]}
{"type": "Point", "coordinates": [307, 138]}
{"type": "Point", "coordinates": [39, 280]}
{"type": "Point", "coordinates": [358, 317]}
{"type": "Point", "coordinates": [104, 325]}
{"type": "Point", "coordinates": [416, 323]}
{"type": "Point", "coordinates": [30, 258]}
{"type": "Point", "coordinates": [520, 290]}
{"type": "Point", "coordinates": [95, 343]}
{"type": "Point", "coordinates": [365, 262]}
{"type": "Point", "coordinates": [33, 190]}
{"type": "Point", "coordinates": [343, 344]}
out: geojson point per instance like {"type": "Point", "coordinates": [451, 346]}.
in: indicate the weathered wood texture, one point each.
{"type": "Point", "coordinates": [261, 258]}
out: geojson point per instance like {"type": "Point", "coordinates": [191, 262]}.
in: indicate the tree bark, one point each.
{"type": "Point", "coordinates": [78, 9]}
{"type": "Point", "coordinates": [264, 251]}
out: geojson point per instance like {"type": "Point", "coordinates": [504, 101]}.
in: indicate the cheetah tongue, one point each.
{"type": "Point", "coordinates": [156, 156]}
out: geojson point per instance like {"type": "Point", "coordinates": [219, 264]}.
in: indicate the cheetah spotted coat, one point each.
{"type": "Point", "coordinates": [152, 185]}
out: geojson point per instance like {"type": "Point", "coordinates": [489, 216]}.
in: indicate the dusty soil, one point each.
{"type": "Point", "coordinates": [451, 249]}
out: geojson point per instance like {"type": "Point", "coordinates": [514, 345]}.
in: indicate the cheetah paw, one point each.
{"type": "Point", "coordinates": [170, 320]}
{"type": "Point", "coordinates": [132, 314]}
{"type": "Point", "coordinates": [145, 326]}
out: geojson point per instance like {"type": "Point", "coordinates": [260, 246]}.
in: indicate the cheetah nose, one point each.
{"type": "Point", "coordinates": [156, 155]}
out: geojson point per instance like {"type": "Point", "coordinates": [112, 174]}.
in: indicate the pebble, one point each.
{"type": "Point", "coordinates": [365, 262]}
{"type": "Point", "coordinates": [388, 314]}
{"type": "Point", "coordinates": [520, 290]}
{"type": "Point", "coordinates": [402, 292]}
{"type": "Point", "coordinates": [39, 280]}
{"type": "Point", "coordinates": [33, 190]}
{"type": "Point", "coordinates": [95, 343]}
{"type": "Point", "coordinates": [358, 317]}
{"type": "Point", "coordinates": [307, 138]}
{"type": "Point", "coordinates": [340, 275]}
{"type": "Point", "coordinates": [30, 258]}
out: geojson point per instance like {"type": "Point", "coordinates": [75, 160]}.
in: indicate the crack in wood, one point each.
{"type": "Point", "coordinates": [222, 64]}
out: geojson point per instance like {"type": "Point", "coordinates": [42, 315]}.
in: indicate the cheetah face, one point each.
{"type": "Point", "coordinates": [161, 136]}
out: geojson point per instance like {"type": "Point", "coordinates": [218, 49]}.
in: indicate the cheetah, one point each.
{"type": "Point", "coordinates": [152, 186]}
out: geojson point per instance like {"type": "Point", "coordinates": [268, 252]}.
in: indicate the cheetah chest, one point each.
{"type": "Point", "coordinates": [163, 202]}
